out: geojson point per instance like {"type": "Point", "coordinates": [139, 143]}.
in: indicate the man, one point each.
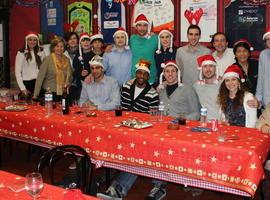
{"type": "Point", "coordinates": [178, 99]}
{"type": "Point", "coordinates": [117, 63]}
{"type": "Point", "coordinates": [263, 91]}
{"type": "Point", "coordinates": [263, 125]}
{"type": "Point", "coordinates": [103, 93]}
{"type": "Point", "coordinates": [223, 55]}
{"type": "Point", "coordinates": [208, 86]}
{"type": "Point", "coordinates": [143, 45]}
{"type": "Point", "coordinates": [186, 56]}
{"type": "Point", "coordinates": [138, 96]}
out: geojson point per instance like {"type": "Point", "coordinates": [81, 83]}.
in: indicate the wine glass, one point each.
{"type": "Point", "coordinates": [34, 184]}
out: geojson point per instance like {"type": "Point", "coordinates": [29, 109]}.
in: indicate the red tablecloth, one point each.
{"type": "Point", "coordinates": [237, 164]}
{"type": "Point", "coordinates": [11, 180]}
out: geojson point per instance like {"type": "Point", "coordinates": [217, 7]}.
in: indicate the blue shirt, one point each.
{"type": "Point", "coordinates": [117, 64]}
{"type": "Point", "coordinates": [104, 94]}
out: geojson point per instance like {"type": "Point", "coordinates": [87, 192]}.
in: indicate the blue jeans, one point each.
{"type": "Point", "coordinates": [126, 180]}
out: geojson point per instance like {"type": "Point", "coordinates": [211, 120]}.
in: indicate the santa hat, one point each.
{"type": "Point", "coordinates": [96, 36]}
{"type": "Point", "coordinates": [28, 35]}
{"type": "Point", "coordinates": [234, 71]}
{"type": "Point", "coordinates": [266, 33]}
{"type": "Point", "coordinates": [142, 19]}
{"type": "Point", "coordinates": [159, 43]}
{"type": "Point", "coordinates": [205, 60]}
{"type": "Point", "coordinates": [122, 30]}
{"type": "Point", "coordinates": [170, 63]}
{"type": "Point", "coordinates": [244, 41]}
{"type": "Point", "coordinates": [97, 60]}
{"type": "Point", "coordinates": [143, 65]}
{"type": "Point", "coordinates": [82, 36]}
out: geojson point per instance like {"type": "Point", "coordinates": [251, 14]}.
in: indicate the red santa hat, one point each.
{"type": "Point", "coordinates": [97, 60]}
{"type": "Point", "coordinates": [82, 36]}
{"type": "Point", "coordinates": [244, 41]}
{"type": "Point", "coordinates": [28, 35]}
{"type": "Point", "coordinates": [234, 71]}
{"type": "Point", "coordinates": [267, 32]}
{"type": "Point", "coordinates": [205, 60]}
{"type": "Point", "coordinates": [122, 30]}
{"type": "Point", "coordinates": [96, 36]}
{"type": "Point", "coordinates": [143, 65]}
{"type": "Point", "coordinates": [170, 63]}
{"type": "Point", "coordinates": [159, 43]}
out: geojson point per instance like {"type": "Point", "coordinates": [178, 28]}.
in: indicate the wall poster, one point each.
{"type": "Point", "coordinates": [160, 13]}
{"type": "Point", "coordinates": [200, 12]}
{"type": "Point", "coordinates": [245, 21]}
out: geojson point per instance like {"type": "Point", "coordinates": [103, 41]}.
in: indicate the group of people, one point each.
{"type": "Point", "coordinates": [140, 72]}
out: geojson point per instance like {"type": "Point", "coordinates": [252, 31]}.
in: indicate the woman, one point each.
{"type": "Point", "coordinates": [55, 71]}
{"type": "Point", "coordinates": [242, 51]}
{"type": "Point", "coordinates": [233, 98]}
{"type": "Point", "coordinates": [27, 63]}
{"type": "Point", "coordinates": [72, 40]}
{"type": "Point", "coordinates": [166, 51]}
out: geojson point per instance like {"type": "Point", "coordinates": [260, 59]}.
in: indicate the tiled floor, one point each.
{"type": "Point", "coordinates": [17, 163]}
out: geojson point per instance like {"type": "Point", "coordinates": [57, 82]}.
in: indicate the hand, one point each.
{"type": "Point", "coordinates": [92, 107]}
{"type": "Point", "coordinates": [89, 79]}
{"type": "Point", "coordinates": [35, 98]}
{"type": "Point", "coordinates": [265, 128]}
{"type": "Point", "coordinates": [25, 93]}
{"type": "Point", "coordinates": [108, 48]}
{"type": "Point", "coordinates": [253, 103]}
{"type": "Point", "coordinates": [84, 72]}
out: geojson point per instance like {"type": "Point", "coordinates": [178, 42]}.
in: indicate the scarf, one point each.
{"type": "Point", "coordinates": [61, 66]}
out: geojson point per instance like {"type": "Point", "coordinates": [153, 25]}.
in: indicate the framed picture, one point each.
{"type": "Point", "coordinates": [202, 13]}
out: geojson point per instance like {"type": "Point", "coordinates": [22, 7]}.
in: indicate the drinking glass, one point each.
{"type": "Point", "coordinates": [118, 111]}
{"type": "Point", "coordinates": [34, 184]}
{"type": "Point", "coordinates": [153, 113]}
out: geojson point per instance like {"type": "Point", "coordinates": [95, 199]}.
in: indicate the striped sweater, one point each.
{"type": "Point", "coordinates": [146, 99]}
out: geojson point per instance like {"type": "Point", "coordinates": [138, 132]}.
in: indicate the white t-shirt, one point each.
{"type": "Point", "coordinates": [225, 61]}
{"type": "Point", "coordinates": [137, 91]}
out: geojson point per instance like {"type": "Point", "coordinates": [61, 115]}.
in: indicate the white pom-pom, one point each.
{"type": "Point", "coordinates": [95, 16]}
{"type": "Point", "coordinates": [171, 50]}
{"type": "Point", "coordinates": [163, 65]}
{"type": "Point", "coordinates": [158, 51]}
{"type": "Point", "coordinates": [251, 49]}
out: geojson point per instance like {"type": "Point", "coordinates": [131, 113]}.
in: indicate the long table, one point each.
{"type": "Point", "coordinates": [9, 180]}
{"type": "Point", "coordinates": [180, 156]}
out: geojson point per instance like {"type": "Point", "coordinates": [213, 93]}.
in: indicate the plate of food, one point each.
{"type": "Point", "coordinates": [136, 124]}
{"type": "Point", "coordinates": [15, 108]}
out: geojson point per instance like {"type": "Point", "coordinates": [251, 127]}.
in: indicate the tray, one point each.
{"type": "Point", "coordinates": [136, 124]}
{"type": "Point", "coordinates": [15, 108]}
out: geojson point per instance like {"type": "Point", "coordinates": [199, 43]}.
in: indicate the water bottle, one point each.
{"type": "Point", "coordinates": [65, 102]}
{"type": "Point", "coordinates": [48, 102]}
{"type": "Point", "coordinates": [203, 117]}
{"type": "Point", "coordinates": [161, 111]}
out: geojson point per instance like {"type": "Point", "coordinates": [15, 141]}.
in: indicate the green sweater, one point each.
{"type": "Point", "coordinates": [144, 48]}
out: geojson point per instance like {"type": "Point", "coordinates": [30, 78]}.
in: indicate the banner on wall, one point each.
{"type": "Point", "coordinates": [111, 17]}
{"type": "Point", "coordinates": [52, 18]}
{"type": "Point", "coordinates": [245, 21]}
{"type": "Point", "coordinates": [160, 13]}
{"type": "Point", "coordinates": [82, 12]}
{"type": "Point", "coordinates": [202, 13]}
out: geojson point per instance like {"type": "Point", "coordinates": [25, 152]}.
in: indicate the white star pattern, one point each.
{"type": "Point", "coordinates": [98, 139]}
{"type": "Point", "coordinates": [213, 159]}
{"type": "Point", "coordinates": [43, 128]}
{"type": "Point", "coordinates": [132, 145]}
{"type": "Point", "coordinates": [86, 140]}
{"type": "Point", "coordinates": [59, 135]}
{"type": "Point", "coordinates": [229, 157]}
{"type": "Point", "coordinates": [156, 154]}
{"type": "Point", "coordinates": [184, 150]}
{"type": "Point", "coordinates": [170, 152]}
{"type": "Point", "coordinates": [119, 146]}
{"type": "Point", "coordinates": [203, 145]}
{"type": "Point", "coordinates": [70, 133]}
{"type": "Point", "coordinates": [252, 166]}
{"type": "Point", "coordinates": [197, 161]}
{"type": "Point", "coordinates": [239, 168]}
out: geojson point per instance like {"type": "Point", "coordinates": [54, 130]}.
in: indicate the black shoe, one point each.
{"type": "Point", "coordinates": [156, 193]}
{"type": "Point", "coordinates": [110, 194]}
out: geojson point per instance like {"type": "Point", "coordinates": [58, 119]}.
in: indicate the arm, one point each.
{"type": "Point", "coordinates": [251, 113]}
{"type": "Point", "coordinates": [193, 104]}
{"type": "Point", "coordinates": [19, 60]}
{"type": "Point", "coordinates": [41, 76]}
{"type": "Point", "coordinates": [84, 95]}
{"type": "Point", "coordinates": [264, 119]}
{"type": "Point", "coordinates": [259, 88]}
{"type": "Point", "coordinates": [179, 61]}
{"type": "Point", "coordinates": [114, 98]}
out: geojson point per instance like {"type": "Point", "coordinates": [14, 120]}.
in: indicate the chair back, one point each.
{"type": "Point", "coordinates": [78, 155]}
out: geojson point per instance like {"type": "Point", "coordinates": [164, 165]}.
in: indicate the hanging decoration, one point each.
{"type": "Point", "coordinates": [31, 3]}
